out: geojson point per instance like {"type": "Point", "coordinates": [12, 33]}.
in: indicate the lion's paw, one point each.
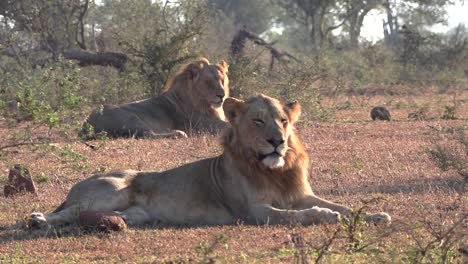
{"type": "Point", "coordinates": [379, 218]}
{"type": "Point", "coordinates": [38, 221]}
{"type": "Point", "coordinates": [332, 217]}
{"type": "Point", "coordinates": [179, 134]}
{"type": "Point", "coordinates": [316, 215]}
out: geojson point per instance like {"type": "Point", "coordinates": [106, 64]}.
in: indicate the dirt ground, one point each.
{"type": "Point", "coordinates": [352, 159]}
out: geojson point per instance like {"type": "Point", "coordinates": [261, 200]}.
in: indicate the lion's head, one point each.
{"type": "Point", "coordinates": [263, 132]}
{"type": "Point", "coordinates": [206, 84]}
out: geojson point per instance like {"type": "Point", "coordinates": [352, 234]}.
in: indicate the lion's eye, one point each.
{"type": "Point", "coordinates": [284, 121]}
{"type": "Point", "coordinates": [258, 122]}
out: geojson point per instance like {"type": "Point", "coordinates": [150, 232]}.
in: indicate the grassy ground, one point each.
{"type": "Point", "coordinates": [352, 158]}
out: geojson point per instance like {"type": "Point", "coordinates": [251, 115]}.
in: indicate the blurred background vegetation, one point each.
{"type": "Point", "coordinates": [59, 59]}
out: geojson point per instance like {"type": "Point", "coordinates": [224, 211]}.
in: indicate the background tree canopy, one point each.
{"type": "Point", "coordinates": [137, 45]}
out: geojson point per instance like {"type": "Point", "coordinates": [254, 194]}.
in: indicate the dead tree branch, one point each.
{"type": "Point", "coordinates": [86, 58]}
{"type": "Point", "coordinates": [240, 39]}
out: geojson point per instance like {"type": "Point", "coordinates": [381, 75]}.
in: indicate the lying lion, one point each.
{"type": "Point", "coordinates": [260, 178]}
{"type": "Point", "coordinates": [191, 102]}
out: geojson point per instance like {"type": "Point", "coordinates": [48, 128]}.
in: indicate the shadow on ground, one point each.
{"type": "Point", "coordinates": [446, 184]}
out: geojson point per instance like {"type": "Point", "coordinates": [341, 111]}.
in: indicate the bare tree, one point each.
{"type": "Point", "coordinates": [321, 17]}
{"type": "Point", "coordinates": [356, 11]}
{"type": "Point", "coordinates": [239, 41]}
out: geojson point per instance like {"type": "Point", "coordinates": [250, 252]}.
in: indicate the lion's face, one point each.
{"type": "Point", "coordinates": [210, 82]}
{"type": "Point", "coordinates": [264, 126]}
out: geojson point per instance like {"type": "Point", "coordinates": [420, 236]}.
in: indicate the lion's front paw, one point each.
{"type": "Point", "coordinates": [38, 221]}
{"type": "Point", "coordinates": [179, 134]}
{"type": "Point", "coordinates": [379, 218]}
{"type": "Point", "coordinates": [332, 217]}
{"type": "Point", "coordinates": [317, 215]}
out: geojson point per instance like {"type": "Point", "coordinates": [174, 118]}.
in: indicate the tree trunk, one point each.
{"type": "Point", "coordinates": [356, 22]}
{"type": "Point", "coordinates": [354, 32]}
{"type": "Point", "coordinates": [316, 33]}
{"type": "Point", "coordinates": [392, 23]}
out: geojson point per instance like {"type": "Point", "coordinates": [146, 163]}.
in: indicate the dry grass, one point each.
{"type": "Point", "coordinates": [350, 161]}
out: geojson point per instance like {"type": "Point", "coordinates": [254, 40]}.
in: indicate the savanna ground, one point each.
{"type": "Point", "coordinates": [353, 159]}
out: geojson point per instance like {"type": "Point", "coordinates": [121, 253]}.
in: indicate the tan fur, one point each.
{"type": "Point", "coordinates": [262, 177]}
{"type": "Point", "coordinates": [191, 102]}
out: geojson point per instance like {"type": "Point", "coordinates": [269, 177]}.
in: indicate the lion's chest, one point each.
{"type": "Point", "coordinates": [274, 197]}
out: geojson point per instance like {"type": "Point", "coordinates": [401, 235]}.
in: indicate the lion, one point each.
{"type": "Point", "coordinates": [191, 103]}
{"type": "Point", "coordinates": [260, 178]}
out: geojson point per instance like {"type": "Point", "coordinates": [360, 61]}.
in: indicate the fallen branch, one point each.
{"type": "Point", "coordinates": [31, 143]}
{"type": "Point", "coordinates": [20, 144]}
{"type": "Point", "coordinates": [86, 58]}
{"type": "Point", "coordinates": [239, 40]}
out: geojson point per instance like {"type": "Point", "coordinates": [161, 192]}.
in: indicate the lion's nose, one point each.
{"type": "Point", "coordinates": [221, 94]}
{"type": "Point", "coordinates": [275, 142]}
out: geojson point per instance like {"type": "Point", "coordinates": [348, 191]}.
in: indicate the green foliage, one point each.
{"type": "Point", "coordinates": [318, 111]}
{"type": "Point", "coordinates": [68, 154]}
{"type": "Point", "coordinates": [347, 105]}
{"type": "Point", "coordinates": [257, 15]}
{"type": "Point", "coordinates": [41, 178]}
{"type": "Point", "coordinates": [53, 24]}
{"type": "Point", "coordinates": [160, 49]}
{"type": "Point", "coordinates": [421, 113]}
{"type": "Point", "coordinates": [246, 77]}
{"type": "Point", "coordinates": [453, 157]}
{"type": "Point", "coordinates": [205, 250]}
{"type": "Point", "coordinates": [48, 95]}
{"type": "Point", "coordinates": [449, 112]}
{"type": "Point", "coordinates": [440, 247]}
{"type": "Point", "coordinates": [16, 256]}
{"type": "Point", "coordinates": [102, 169]}
{"type": "Point", "coordinates": [160, 60]}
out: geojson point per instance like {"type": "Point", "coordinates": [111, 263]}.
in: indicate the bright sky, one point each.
{"type": "Point", "coordinates": [372, 29]}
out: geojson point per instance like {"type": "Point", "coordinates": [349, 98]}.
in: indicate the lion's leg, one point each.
{"type": "Point", "coordinates": [134, 216]}
{"type": "Point", "coordinates": [63, 217]}
{"type": "Point", "coordinates": [133, 126]}
{"type": "Point", "coordinates": [70, 214]}
{"type": "Point", "coordinates": [172, 134]}
{"type": "Point", "coordinates": [312, 200]}
{"type": "Point", "coordinates": [266, 214]}
{"type": "Point", "coordinates": [137, 128]}
{"type": "Point", "coordinates": [93, 194]}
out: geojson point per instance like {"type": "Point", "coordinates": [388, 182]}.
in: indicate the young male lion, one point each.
{"type": "Point", "coordinates": [191, 102]}
{"type": "Point", "coordinates": [261, 177]}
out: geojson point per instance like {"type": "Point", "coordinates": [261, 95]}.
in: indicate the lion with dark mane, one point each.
{"type": "Point", "coordinates": [191, 102]}
{"type": "Point", "coordinates": [261, 177]}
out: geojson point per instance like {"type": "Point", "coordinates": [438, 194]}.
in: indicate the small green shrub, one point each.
{"type": "Point", "coordinates": [49, 95]}
{"type": "Point", "coordinates": [453, 157]}
{"type": "Point", "coordinates": [449, 112]}
{"type": "Point", "coordinates": [42, 178]}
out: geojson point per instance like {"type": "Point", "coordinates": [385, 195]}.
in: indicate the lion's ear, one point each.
{"type": "Point", "coordinates": [224, 66]}
{"type": "Point", "coordinates": [194, 69]}
{"type": "Point", "coordinates": [232, 109]}
{"type": "Point", "coordinates": [294, 111]}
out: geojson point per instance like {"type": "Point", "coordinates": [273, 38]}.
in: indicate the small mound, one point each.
{"type": "Point", "coordinates": [19, 180]}
{"type": "Point", "coordinates": [380, 113]}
